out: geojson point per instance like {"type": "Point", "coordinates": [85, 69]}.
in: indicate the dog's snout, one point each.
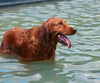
{"type": "Point", "coordinates": [74, 30]}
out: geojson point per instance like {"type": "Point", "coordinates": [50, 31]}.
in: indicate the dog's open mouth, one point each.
{"type": "Point", "coordinates": [63, 40]}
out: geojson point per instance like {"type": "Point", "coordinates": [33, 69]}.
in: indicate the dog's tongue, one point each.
{"type": "Point", "coordinates": [66, 40]}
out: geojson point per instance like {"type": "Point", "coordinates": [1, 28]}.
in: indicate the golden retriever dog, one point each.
{"type": "Point", "coordinates": [37, 43]}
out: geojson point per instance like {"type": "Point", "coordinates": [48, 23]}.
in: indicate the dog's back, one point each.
{"type": "Point", "coordinates": [12, 38]}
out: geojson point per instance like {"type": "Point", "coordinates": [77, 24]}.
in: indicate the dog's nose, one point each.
{"type": "Point", "coordinates": [74, 30]}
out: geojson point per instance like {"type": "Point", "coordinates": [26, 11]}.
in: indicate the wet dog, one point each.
{"type": "Point", "coordinates": [37, 43]}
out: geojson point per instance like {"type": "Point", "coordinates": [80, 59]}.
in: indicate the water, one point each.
{"type": "Point", "coordinates": [80, 64]}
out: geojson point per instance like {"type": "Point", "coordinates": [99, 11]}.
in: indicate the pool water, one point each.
{"type": "Point", "coordinates": [80, 64]}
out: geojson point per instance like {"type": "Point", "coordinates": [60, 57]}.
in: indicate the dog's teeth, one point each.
{"type": "Point", "coordinates": [59, 36]}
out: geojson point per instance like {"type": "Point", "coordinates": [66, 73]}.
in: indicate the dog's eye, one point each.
{"type": "Point", "coordinates": [60, 23]}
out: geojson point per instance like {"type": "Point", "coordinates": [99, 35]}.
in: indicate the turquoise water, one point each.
{"type": "Point", "coordinates": [80, 64]}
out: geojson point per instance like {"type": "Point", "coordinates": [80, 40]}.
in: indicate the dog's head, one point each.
{"type": "Point", "coordinates": [58, 28]}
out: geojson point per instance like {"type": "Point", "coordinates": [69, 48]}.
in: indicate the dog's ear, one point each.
{"type": "Point", "coordinates": [44, 31]}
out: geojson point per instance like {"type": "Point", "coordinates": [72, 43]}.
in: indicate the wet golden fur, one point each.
{"type": "Point", "coordinates": [36, 44]}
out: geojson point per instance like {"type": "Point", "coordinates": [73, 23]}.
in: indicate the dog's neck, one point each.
{"type": "Point", "coordinates": [44, 40]}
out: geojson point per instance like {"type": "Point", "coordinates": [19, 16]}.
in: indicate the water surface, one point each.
{"type": "Point", "coordinates": [80, 64]}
